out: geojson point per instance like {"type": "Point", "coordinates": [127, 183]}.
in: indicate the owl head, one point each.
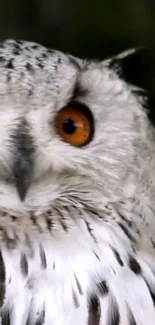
{"type": "Point", "coordinates": [70, 129]}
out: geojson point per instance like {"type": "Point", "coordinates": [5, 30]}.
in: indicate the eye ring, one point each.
{"type": "Point", "coordinates": [75, 124]}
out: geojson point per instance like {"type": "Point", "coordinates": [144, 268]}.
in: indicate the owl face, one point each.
{"type": "Point", "coordinates": [76, 190]}
{"type": "Point", "coordinates": [68, 128]}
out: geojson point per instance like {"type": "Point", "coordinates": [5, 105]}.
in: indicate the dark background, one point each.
{"type": "Point", "coordinates": [91, 28]}
{"type": "Point", "coordinates": [85, 28]}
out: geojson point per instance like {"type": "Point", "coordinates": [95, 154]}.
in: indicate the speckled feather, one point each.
{"type": "Point", "coordinates": [80, 247]}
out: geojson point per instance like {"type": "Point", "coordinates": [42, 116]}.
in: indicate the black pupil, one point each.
{"type": "Point", "coordinates": [69, 126]}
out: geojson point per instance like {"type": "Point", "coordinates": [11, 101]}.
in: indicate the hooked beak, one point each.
{"type": "Point", "coordinates": [23, 163]}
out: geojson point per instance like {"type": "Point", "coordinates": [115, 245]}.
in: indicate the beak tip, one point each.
{"type": "Point", "coordinates": [22, 196]}
{"type": "Point", "coordinates": [22, 190]}
{"type": "Point", "coordinates": [22, 176]}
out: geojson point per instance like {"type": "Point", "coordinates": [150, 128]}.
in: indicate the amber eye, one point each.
{"type": "Point", "coordinates": [75, 125]}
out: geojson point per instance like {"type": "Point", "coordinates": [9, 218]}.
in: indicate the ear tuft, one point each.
{"type": "Point", "coordinates": [133, 66]}
{"type": "Point", "coordinates": [137, 67]}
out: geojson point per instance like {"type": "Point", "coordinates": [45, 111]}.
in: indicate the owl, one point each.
{"type": "Point", "coordinates": [77, 190]}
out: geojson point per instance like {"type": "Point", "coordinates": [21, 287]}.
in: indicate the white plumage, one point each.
{"type": "Point", "coordinates": [76, 223]}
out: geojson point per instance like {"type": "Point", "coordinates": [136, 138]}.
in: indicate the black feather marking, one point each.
{"type": "Point", "coordinates": [6, 319]}
{"type": "Point", "coordinates": [118, 258]}
{"type": "Point", "coordinates": [40, 65]}
{"type": "Point", "coordinates": [152, 294]}
{"type": "Point", "coordinates": [29, 67]}
{"type": "Point", "coordinates": [134, 265]}
{"type": "Point", "coordinates": [10, 242]}
{"type": "Point", "coordinates": [113, 313]}
{"type": "Point", "coordinates": [96, 256]}
{"type": "Point", "coordinates": [153, 243]}
{"type": "Point", "coordinates": [94, 310]}
{"type": "Point", "coordinates": [90, 231]}
{"type": "Point", "coordinates": [62, 221]}
{"type": "Point", "coordinates": [43, 258]}
{"type": "Point", "coordinates": [49, 223]}
{"type": "Point", "coordinates": [41, 319]}
{"type": "Point", "coordinates": [33, 219]}
{"type": "Point", "coordinates": [97, 215]}
{"type": "Point", "coordinates": [28, 243]}
{"type": "Point", "coordinates": [126, 232]}
{"type": "Point", "coordinates": [2, 280]}
{"type": "Point", "coordinates": [75, 298]}
{"type": "Point", "coordinates": [13, 218]}
{"type": "Point", "coordinates": [78, 285]}
{"type": "Point", "coordinates": [132, 320]}
{"type": "Point", "coordinates": [2, 59]}
{"type": "Point", "coordinates": [38, 322]}
{"type": "Point", "coordinates": [10, 65]}
{"type": "Point", "coordinates": [24, 265]}
{"type": "Point", "coordinates": [128, 222]}
{"type": "Point", "coordinates": [103, 287]}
